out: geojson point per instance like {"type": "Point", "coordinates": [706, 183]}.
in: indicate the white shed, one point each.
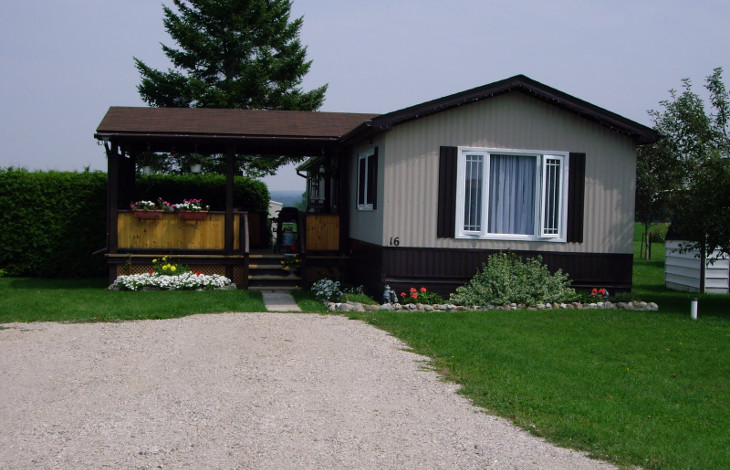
{"type": "Point", "coordinates": [683, 271]}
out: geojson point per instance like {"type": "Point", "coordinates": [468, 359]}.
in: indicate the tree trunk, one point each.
{"type": "Point", "coordinates": [647, 239]}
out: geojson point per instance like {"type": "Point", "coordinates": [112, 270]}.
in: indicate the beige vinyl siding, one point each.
{"type": "Point", "coordinates": [367, 225]}
{"type": "Point", "coordinates": [512, 121]}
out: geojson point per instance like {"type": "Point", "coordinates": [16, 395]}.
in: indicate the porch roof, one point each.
{"type": "Point", "coordinates": [208, 130]}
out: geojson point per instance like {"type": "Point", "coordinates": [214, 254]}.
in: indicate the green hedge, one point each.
{"type": "Point", "coordinates": [248, 194]}
{"type": "Point", "coordinates": [52, 221]}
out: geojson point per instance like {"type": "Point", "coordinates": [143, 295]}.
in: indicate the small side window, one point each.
{"type": "Point", "coordinates": [367, 170]}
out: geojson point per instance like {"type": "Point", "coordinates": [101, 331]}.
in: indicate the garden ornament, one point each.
{"type": "Point", "coordinates": [389, 295]}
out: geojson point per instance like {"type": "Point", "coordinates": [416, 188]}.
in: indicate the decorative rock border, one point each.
{"type": "Point", "coordinates": [358, 307]}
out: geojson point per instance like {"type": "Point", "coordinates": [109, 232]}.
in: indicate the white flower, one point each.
{"type": "Point", "coordinates": [187, 281]}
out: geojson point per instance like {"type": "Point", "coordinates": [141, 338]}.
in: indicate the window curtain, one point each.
{"type": "Point", "coordinates": [512, 194]}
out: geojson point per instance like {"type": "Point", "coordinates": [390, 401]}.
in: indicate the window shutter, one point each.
{"type": "Point", "coordinates": [373, 178]}
{"type": "Point", "coordinates": [446, 211]}
{"type": "Point", "coordinates": [360, 199]}
{"type": "Point", "coordinates": [576, 196]}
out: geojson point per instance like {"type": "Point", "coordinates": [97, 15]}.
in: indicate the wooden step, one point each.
{"type": "Point", "coordinates": [273, 288]}
{"type": "Point", "coordinates": [271, 277]}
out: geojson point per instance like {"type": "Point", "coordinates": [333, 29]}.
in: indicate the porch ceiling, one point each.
{"type": "Point", "coordinates": [207, 131]}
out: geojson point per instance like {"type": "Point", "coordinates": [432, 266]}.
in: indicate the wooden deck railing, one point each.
{"type": "Point", "coordinates": [322, 232]}
{"type": "Point", "coordinates": [196, 241]}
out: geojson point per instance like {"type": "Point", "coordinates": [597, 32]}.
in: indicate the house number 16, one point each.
{"type": "Point", "coordinates": [394, 241]}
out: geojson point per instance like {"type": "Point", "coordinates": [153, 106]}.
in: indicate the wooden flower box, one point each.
{"type": "Point", "coordinates": [147, 215]}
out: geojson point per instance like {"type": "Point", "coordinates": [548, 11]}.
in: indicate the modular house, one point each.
{"type": "Point", "coordinates": [423, 195]}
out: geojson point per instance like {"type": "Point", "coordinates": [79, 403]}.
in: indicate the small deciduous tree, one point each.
{"type": "Point", "coordinates": [688, 170]}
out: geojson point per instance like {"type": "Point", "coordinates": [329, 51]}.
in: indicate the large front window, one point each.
{"type": "Point", "coordinates": [511, 194]}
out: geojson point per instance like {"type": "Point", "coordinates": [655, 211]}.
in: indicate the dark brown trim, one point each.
{"type": "Point", "coordinates": [364, 266]}
{"type": "Point", "coordinates": [373, 173]}
{"type": "Point", "coordinates": [446, 211]}
{"type": "Point", "coordinates": [112, 197]}
{"type": "Point", "coordinates": [442, 270]}
{"type": "Point", "coordinates": [229, 201]}
{"type": "Point", "coordinates": [344, 162]}
{"type": "Point", "coordinates": [576, 197]}
{"type": "Point", "coordinates": [141, 258]}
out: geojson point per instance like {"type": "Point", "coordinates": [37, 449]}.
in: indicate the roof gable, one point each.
{"type": "Point", "coordinates": [638, 132]}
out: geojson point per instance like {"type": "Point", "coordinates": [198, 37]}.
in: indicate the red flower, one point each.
{"type": "Point", "coordinates": [198, 273]}
{"type": "Point", "coordinates": [414, 295]}
{"type": "Point", "coordinates": [594, 291]}
{"type": "Point", "coordinates": [413, 289]}
{"type": "Point", "coordinates": [152, 271]}
{"type": "Point", "coordinates": [602, 291]}
{"type": "Point", "coordinates": [402, 294]}
{"type": "Point", "coordinates": [423, 289]}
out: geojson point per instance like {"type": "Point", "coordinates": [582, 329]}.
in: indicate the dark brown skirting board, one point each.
{"type": "Point", "coordinates": [442, 270]}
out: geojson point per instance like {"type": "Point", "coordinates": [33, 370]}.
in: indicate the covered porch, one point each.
{"type": "Point", "coordinates": [229, 240]}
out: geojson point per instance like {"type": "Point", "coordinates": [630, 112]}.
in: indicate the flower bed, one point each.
{"type": "Point", "coordinates": [185, 281]}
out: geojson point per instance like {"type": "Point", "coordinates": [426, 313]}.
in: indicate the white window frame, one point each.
{"type": "Point", "coordinates": [541, 162]}
{"type": "Point", "coordinates": [368, 156]}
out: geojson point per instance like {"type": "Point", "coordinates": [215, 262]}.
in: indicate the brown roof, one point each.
{"type": "Point", "coordinates": [228, 122]}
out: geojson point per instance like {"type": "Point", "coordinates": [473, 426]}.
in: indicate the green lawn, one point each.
{"type": "Point", "coordinates": [25, 300]}
{"type": "Point", "coordinates": [637, 388]}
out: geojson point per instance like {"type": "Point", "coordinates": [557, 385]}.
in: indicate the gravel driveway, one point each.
{"type": "Point", "coordinates": [242, 391]}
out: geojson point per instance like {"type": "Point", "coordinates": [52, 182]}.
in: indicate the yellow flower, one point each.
{"type": "Point", "coordinates": [172, 268]}
{"type": "Point", "coordinates": [154, 260]}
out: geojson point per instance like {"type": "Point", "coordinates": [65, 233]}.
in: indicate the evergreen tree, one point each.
{"type": "Point", "coordinates": [232, 54]}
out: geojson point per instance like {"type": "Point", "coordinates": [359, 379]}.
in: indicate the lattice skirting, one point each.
{"type": "Point", "coordinates": [317, 269]}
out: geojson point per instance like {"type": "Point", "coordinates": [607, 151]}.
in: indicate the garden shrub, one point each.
{"type": "Point", "coordinates": [505, 278]}
{"type": "Point", "coordinates": [326, 290]}
{"type": "Point", "coordinates": [52, 221]}
{"type": "Point", "coordinates": [658, 233]}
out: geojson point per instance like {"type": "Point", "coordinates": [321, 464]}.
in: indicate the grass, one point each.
{"type": "Point", "coordinates": [26, 300]}
{"type": "Point", "coordinates": [635, 388]}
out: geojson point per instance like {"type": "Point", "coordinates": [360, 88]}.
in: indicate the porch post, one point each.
{"type": "Point", "coordinates": [112, 197]}
{"type": "Point", "coordinates": [229, 238]}
{"type": "Point", "coordinates": [229, 202]}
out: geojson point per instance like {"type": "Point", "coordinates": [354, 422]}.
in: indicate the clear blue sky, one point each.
{"type": "Point", "coordinates": [64, 63]}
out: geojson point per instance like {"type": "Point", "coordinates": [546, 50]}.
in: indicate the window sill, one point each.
{"type": "Point", "coordinates": [511, 238]}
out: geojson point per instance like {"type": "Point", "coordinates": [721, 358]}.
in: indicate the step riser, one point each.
{"type": "Point", "coordinates": [274, 271]}
{"type": "Point", "coordinates": [271, 284]}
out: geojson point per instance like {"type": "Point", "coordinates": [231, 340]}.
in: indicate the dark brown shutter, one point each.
{"type": "Point", "coordinates": [373, 178]}
{"type": "Point", "coordinates": [576, 196]}
{"type": "Point", "coordinates": [446, 212]}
